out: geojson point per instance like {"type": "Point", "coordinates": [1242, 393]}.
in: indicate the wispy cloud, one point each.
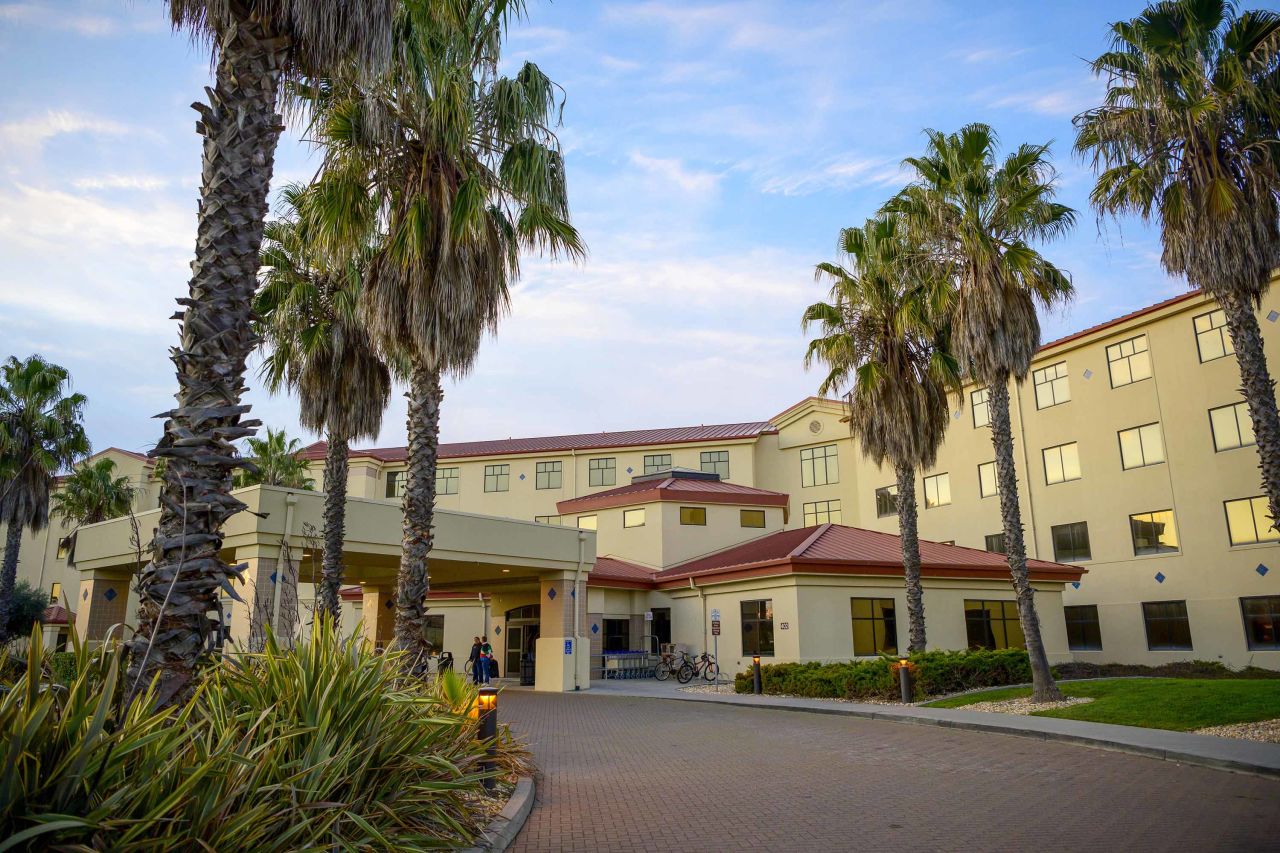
{"type": "Point", "coordinates": [674, 171]}
{"type": "Point", "coordinates": [836, 174]}
{"type": "Point", "coordinates": [982, 56]}
{"type": "Point", "coordinates": [23, 138]}
{"type": "Point", "coordinates": [58, 17]}
{"type": "Point", "coordinates": [144, 183]}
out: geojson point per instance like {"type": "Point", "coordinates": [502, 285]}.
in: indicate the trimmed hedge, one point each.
{"type": "Point", "coordinates": [1176, 669]}
{"type": "Point", "coordinates": [936, 673]}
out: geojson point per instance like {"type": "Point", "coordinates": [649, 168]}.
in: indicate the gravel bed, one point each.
{"type": "Point", "coordinates": [728, 688]}
{"type": "Point", "coordinates": [1024, 706]}
{"type": "Point", "coordinates": [1266, 731]}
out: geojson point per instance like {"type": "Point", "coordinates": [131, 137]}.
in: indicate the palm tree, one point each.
{"type": "Point", "coordinates": [1188, 136]}
{"type": "Point", "coordinates": [41, 433]}
{"type": "Point", "coordinates": [93, 493]}
{"type": "Point", "coordinates": [979, 218]}
{"type": "Point", "coordinates": [258, 45]}
{"type": "Point", "coordinates": [880, 338]}
{"type": "Point", "coordinates": [309, 319]}
{"type": "Point", "coordinates": [274, 461]}
{"type": "Point", "coordinates": [462, 166]}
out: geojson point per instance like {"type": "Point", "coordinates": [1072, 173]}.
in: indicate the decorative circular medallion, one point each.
{"type": "Point", "coordinates": [815, 427]}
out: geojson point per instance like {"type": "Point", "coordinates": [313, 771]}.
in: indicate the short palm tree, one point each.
{"type": "Point", "coordinates": [319, 349]}
{"type": "Point", "coordinates": [980, 217]}
{"type": "Point", "coordinates": [459, 170]}
{"type": "Point", "coordinates": [93, 493]}
{"type": "Point", "coordinates": [880, 338]}
{"type": "Point", "coordinates": [41, 433]}
{"type": "Point", "coordinates": [1189, 135]}
{"type": "Point", "coordinates": [274, 461]}
{"type": "Point", "coordinates": [258, 46]}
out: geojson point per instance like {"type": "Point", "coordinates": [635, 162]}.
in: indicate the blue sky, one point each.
{"type": "Point", "coordinates": [714, 151]}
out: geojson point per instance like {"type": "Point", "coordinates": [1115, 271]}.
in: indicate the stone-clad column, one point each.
{"type": "Point", "coordinates": [558, 651]}
{"type": "Point", "coordinates": [101, 604]}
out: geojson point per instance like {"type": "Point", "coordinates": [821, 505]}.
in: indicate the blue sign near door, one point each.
{"type": "Point", "coordinates": [568, 647]}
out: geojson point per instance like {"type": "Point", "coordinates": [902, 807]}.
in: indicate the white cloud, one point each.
{"type": "Point", "coordinates": [674, 171]}
{"type": "Point", "coordinates": [44, 218]}
{"type": "Point", "coordinates": [55, 16]}
{"type": "Point", "coordinates": [145, 183]}
{"type": "Point", "coordinates": [979, 56]}
{"type": "Point", "coordinates": [838, 173]}
{"type": "Point", "coordinates": [1060, 100]}
{"type": "Point", "coordinates": [25, 137]}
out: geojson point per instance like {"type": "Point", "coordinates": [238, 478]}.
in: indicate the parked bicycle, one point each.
{"type": "Point", "coordinates": [680, 665]}
{"type": "Point", "coordinates": [707, 667]}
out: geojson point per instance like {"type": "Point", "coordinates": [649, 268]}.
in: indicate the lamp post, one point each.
{"type": "Point", "coordinates": [487, 705]}
{"type": "Point", "coordinates": [755, 675]}
{"type": "Point", "coordinates": [904, 680]}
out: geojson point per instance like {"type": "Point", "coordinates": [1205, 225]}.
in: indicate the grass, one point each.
{"type": "Point", "coordinates": [1180, 704]}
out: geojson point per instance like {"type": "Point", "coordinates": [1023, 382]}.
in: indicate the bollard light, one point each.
{"type": "Point", "coordinates": [487, 707]}
{"type": "Point", "coordinates": [755, 675]}
{"type": "Point", "coordinates": [904, 680]}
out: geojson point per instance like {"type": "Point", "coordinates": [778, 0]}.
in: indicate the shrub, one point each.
{"type": "Point", "coordinates": [62, 666]}
{"type": "Point", "coordinates": [28, 606]}
{"type": "Point", "coordinates": [1175, 669]}
{"type": "Point", "coordinates": [323, 747]}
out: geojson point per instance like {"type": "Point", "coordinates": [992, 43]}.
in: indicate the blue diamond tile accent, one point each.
{"type": "Point", "coordinates": [110, 594]}
{"type": "Point", "coordinates": [1076, 584]}
{"type": "Point", "coordinates": [497, 629]}
{"type": "Point", "coordinates": [1159, 577]}
{"type": "Point", "coordinates": [1272, 316]}
{"type": "Point", "coordinates": [273, 577]}
{"type": "Point", "coordinates": [1262, 570]}
{"type": "Point", "coordinates": [84, 595]}
{"type": "Point", "coordinates": [522, 476]}
{"type": "Point", "coordinates": [573, 593]}
{"type": "Point", "coordinates": [957, 414]}
{"type": "Point", "coordinates": [551, 593]}
{"type": "Point", "coordinates": [629, 470]}
{"type": "Point", "coordinates": [595, 629]}
{"type": "Point", "coordinates": [1088, 374]}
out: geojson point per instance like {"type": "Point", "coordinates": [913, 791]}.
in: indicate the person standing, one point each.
{"type": "Point", "coordinates": [486, 656]}
{"type": "Point", "coordinates": [477, 665]}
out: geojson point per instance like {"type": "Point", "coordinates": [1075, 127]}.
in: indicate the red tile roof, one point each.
{"type": "Point", "coordinates": [56, 614]}
{"type": "Point", "coordinates": [675, 488]}
{"type": "Point", "coordinates": [1116, 321]}
{"type": "Point", "coordinates": [611, 568]}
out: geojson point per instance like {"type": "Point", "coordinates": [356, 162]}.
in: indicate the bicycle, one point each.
{"type": "Point", "coordinates": [707, 667]}
{"type": "Point", "coordinates": [668, 665]}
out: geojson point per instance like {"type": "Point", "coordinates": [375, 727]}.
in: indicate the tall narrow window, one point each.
{"type": "Point", "coordinates": [1129, 361]}
{"type": "Point", "coordinates": [1213, 341]}
{"type": "Point", "coordinates": [1153, 533]}
{"type": "Point", "coordinates": [757, 627]}
{"type": "Point", "coordinates": [1071, 542]}
{"type": "Point", "coordinates": [1141, 446]}
{"type": "Point", "coordinates": [1168, 628]}
{"type": "Point", "coordinates": [987, 485]}
{"type": "Point", "coordinates": [1261, 621]}
{"type": "Point", "coordinates": [548, 475]}
{"type": "Point", "coordinates": [716, 462]}
{"type": "Point", "coordinates": [937, 490]}
{"type": "Point", "coordinates": [995, 543]}
{"type": "Point", "coordinates": [656, 463]}
{"type": "Point", "coordinates": [633, 517]}
{"type": "Point", "coordinates": [602, 472]}
{"type": "Point", "coordinates": [1052, 385]}
{"type": "Point", "coordinates": [693, 515]}
{"type": "Point", "coordinates": [819, 466]}
{"type": "Point", "coordinates": [1083, 631]}
{"type": "Point", "coordinates": [818, 512]}
{"type": "Point", "coordinates": [875, 627]}
{"type": "Point", "coordinates": [395, 483]}
{"type": "Point", "coordinates": [497, 478]}
{"type": "Point", "coordinates": [1061, 463]}
{"type": "Point", "coordinates": [434, 631]}
{"type": "Point", "coordinates": [980, 402]}
{"type": "Point", "coordinates": [886, 501]}
{"type": "Point", "coordinates": [1232, 427]}
{"type": "Point", "coordinates": [447, 481]}
{"type": "Point", "coordinates": [1249, 521]}
{"type": "Point", "coordinates": [993, 625]}
{"type": "Point", "coordinates": [55, 592]}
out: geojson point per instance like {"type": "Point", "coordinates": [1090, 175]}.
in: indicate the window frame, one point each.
{"type": "Point", "coordinates": [550, 473]}
{"type": "Point", "coordinates": [888, 622]}
{"type": "Point", "coordinates": [1159, 432]}
{"type": "Point", "coordinates": [1254, 503]}
{"type": "Point", "coordinates": [763, 615]}
{"type": "Point", "coordinates": [1071, 528]}
{"type": "Point", "coordinates": [608, 474]}
{"type": "Point", "coordinates": [985, 403]}
{"type": "Point", "coordinates": [939, 479]}
{"type": "Point", "coordinates": [495, 477]}
{"type": "Point", "coordinates": [395, 483]}
{"type": "Point", "coordinates": [1237, 408]}
{"type": "Point", "coordinates": [821, 509]}
{"type": "Point", "coordinates": [658, 467]}
{"type": "Point", "coordinates": [890, 491]}
{"type": "Point", "coordinates": [1006, 606]}
{"type": "Point", "coordinates": [755, 513]}
{"type": "Point", "coordinates": [1068, 610]}
{"type": "Point", "coordinates": [1041, 379]}
{"type": "Point", "coordinates": [1224, 335]}
{"type": "Point", "coordinates": [594, 520]}
{"type": "Point", "coordinates": [986, 544]}
{"type": "Point", "coordinates": [1185, 618]}
{"type": "Point", "coordinates": [1112, 362]}
{"type": "Point", "coordinates": [995, 480]}
{"type": "Point", "coordinates": [1273, 613]}
{"type": "Point", "coordinates": [629, 517]}
{"type": "Point", "coordinates": [1176, 549]}
{"type": "Point", "coordinates": [721, 457]}
{"type": "Point", "coordinates": [451, 474]}
{"type": "Point", "coordinates": [810, 457]}
{"type": "Point", "coordinates": [1044, 460]}
{"type": "Point", "coordinates": [546, 519]}
{"type": "Point", "coordinates": [693, 512]}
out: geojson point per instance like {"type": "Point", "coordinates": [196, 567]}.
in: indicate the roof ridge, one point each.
{"type": "Point", "coordinates": [812, 538]}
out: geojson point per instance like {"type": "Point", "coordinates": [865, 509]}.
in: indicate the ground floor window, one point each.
{"type": "Point", "coordinates": [1261, 621]}
{"type": "Point", "coordinates": [1083, 630]}
{"type": "Point", "coordinates": [875, 627]}
{"type": "Point", "coordinates": [435, 632]}
{"type": "Point", "coordinates": [1168, 627]}
{"type": "Point", "coordinates": [617, 635]}
{"type": "Point", "coordinates": [993, 625]}
{"type": "Point", "coordinates": [757, 627]}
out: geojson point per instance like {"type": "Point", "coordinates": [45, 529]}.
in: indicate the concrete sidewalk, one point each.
{"type": "Point", "coordinates": [1241, 756]}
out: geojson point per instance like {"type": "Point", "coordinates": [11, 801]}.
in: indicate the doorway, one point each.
{"type": "Point", "coordinates": [660, 630]}
{"type": "Point", "coordinates": [523, 629]}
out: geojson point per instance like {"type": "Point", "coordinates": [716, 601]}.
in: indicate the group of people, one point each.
{"type": "Point", "coordinates": [483, 664]}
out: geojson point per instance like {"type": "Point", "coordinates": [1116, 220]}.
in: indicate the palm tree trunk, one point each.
{"type": "Point", "coordinates": [9, 577]}
{"type": "Point", "coordinates": [908, 526]}
{"type": "Point", "coordinates": [1259, 393]}
{"type": "Point", "coordinates": [1043, 687]}
{"type": "Point", "coordinates": [180, 587]}
{"type": "Point", "coordinates": [425, 395]}
{"type": "Point", "coordinates": [335, 524]}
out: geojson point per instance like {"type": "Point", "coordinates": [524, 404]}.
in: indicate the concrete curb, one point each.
{"type": "Point", "coordinates": [504, 828]}
{"type": "Point", "coordinates": [1238, 756]}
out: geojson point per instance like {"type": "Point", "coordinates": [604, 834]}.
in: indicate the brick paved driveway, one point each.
{"type": "Point", "coordinates": [630, 774]}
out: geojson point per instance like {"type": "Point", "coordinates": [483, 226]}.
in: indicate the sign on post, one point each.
{"type": "Point", "coordinates": [715, 627]}
{"type": "Point", "coordinates": [648, 616]}
{"type": "Point", "coordinates": [715, 614]}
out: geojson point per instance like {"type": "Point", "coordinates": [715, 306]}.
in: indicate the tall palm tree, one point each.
{"type": "Point", "coordinates": [41, 433]}
{"type": "Point", "coordinates": [1189, 135]}
{"type": "Point", "coordinates": [93, 493]}
{"type": "Point", "coordinates": [258, 46]}
{"type": "Point", "coordinates": [463, 168]}
{"type": "Point", "coordinates": [980, 217]}
{"type": "Point", "coordinates": [309, 321]}
{"type": "Point", "coordinates": [274, 461]}
{"type": "Point", "coordinates": [881, 336]}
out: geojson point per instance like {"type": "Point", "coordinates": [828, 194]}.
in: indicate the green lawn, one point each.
{"type": "Point", "coordinates": [1181, 704]}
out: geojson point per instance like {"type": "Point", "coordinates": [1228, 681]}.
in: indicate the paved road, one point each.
{"type": "Point", "coordinates": [627, 774]}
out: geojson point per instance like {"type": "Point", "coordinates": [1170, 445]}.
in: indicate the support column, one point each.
{"type": "Point", "coordinates": [270, 597]}
{"type": "Point", "coordinates": [101, 604]}
{"type": "Point", "coordinates": [559, 653]}
{"type": "Point", "coordinates": [378, 615]}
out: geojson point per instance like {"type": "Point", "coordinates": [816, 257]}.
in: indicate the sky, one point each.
{"type": "Point", "coordinates": [714, 152]}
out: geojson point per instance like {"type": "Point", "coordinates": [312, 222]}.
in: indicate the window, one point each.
{"type": "Point", "coordinates": [757, 627]}
{"type": "Point", "coordinates": [1141, 446]}
{"type": "Point", "coordinates": [1061, 463]}
{"type": "Point", "coordinates": [1249, 521]}
{"type": "Point", "coordinates": [64, 547]}
{"type": "Point", "coordinates": [435, 632]}
{"type": "Point", "coordinates": [1052, 388]}
{"type": "Point", "coordinates": [819, 466]}
{"type": "Point", "coordinates": [602, 472]}
{"type": "Point", "coordinates": [937, 490]}
{"type": "Point", "coordinates": [820, 512]}
{"type": "Point", "coordinates": [447, 481]}
{"type": "Point", "coordinates": [694, 515]}
{"type": "Point", "coordinates": [1212, 338]}
{"type": "Point", "coordinates": [548, 519]}
{"type": "Point", "coordinates": [980, 402]}
{"type": "Point", "coordinates": [395, 483]}
{"type": "Point", "coordinates": [993, 625]}
{"type": "Point", "coordinates": [1261, 618]}
{"type": "Point", "coordinates": [755, 518]}
{"type": "Point", "coordinates": [1232, 427]}
{"type": "Point", "coordinates": [1129, 361]}
{"type": "Point", "coordinates": [587, 522]}
{"type": "Point", "coordinates": [1153, 533]}
{"type": "Point", "coordinates": [548, 475]}
{"type": "Point", "coordinates": [656, 463]}
{"type": "Point", "coordinates": [1071, 542]}
{"type": "Point", "coordinates": [875, 628]}
{"type": "Point", "coordinates": [1083, 632]}
{"type": "Point", "coordinates": [497, 478]}
{"type": "Point", "coordinates": [1168, 628]}
{"type": "Point", "coordinates": [995, 543]}
{"type": "Point", "coordinates": [886, 501]}
{"type": "Point", "coordinates": [55, 592]}
{"type": "Point", "coordinates": [633, 517]}
{"type": "Point", "coordinates": [617, 635]}
{"type": "Point", "coordinates": [987, 485]}
{"type": "Point", "coordinates": [716, 462]}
